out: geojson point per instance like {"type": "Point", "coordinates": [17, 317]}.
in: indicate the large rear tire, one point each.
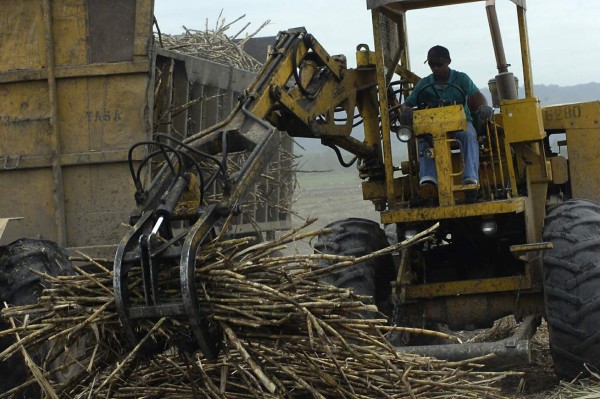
{"type": "Point", "coordinates": [20, 286]}
{"type": "Point", "coordinates": [358, 237]}
{"type": "Point", "coordinates": [572, 286]}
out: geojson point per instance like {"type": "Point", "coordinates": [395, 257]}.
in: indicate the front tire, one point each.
{"type": "Point", "coordinates": [572, 286]}
{"type": "Point", "coordinates": [19, 285]}
{"type": "Point", "coordinates": [358, 237]}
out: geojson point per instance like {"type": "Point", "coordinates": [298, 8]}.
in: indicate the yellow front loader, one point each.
{"type": "Point", "coordinates": [522, 246]}
{"type": "Point", "coordinates": [523, 240]}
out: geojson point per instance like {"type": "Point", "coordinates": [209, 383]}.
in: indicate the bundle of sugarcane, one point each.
{"type": "Point", "coordinates": [209, 44]}
{"type": "Point", "coordinates": [284, 332]}
{"type": "Point", "coordinates": [215, 45]}
{"type": "Point", "coordinates": [273, 193]}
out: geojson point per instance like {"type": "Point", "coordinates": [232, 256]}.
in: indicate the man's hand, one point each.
{"type": "Point", "coordinates": [406, 117]}
{"type": "Point", "coordinates": [485, 112]}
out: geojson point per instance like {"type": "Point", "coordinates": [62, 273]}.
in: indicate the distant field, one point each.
{"type": "Point", "coordinates": [326, 180]}
{"type": "Point", "coordinates": [329, 196]}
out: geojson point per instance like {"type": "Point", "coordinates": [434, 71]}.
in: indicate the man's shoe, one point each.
{"type": "Point", "coordinates": [470, 195]}
{"type": "Point", "coordinates": [428, 191]}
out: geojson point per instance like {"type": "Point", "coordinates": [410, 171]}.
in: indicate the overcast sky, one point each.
{"type": "Point", "coordinates": [564, 35]}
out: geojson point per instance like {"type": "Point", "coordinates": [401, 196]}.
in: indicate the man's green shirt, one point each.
{"type": "Point", "coordinates": [449, 95]}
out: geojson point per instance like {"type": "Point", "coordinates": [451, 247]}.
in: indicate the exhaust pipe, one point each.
{"type": "Point", "coordinates": [505, 81]}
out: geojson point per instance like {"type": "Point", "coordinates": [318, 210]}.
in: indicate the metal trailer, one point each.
{"type": "Point", "coordinates": [77, 83]}
{"type": "Point", "coordinates": [211, 91]}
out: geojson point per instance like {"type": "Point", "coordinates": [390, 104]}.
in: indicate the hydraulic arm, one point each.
{"type": "Point", "coordinates": [302, 90]}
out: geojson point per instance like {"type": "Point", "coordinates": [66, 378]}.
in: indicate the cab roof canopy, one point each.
{"type": "Point", "coordinates": [405, 5]}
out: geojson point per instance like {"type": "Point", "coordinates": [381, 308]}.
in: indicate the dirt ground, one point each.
{"type": "Point", "coordinates": [336, 195]}
{"type": "Point", "coordinates": [538, 380]}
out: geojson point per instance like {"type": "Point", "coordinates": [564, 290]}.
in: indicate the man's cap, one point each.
{"type": "Point", "coordinates": [438, 53]}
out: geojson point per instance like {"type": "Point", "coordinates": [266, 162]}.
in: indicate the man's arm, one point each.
{"type": "Point", "coordinates": [478, 103]}
{"type": "Point", "coordinates": [476, 100]}
{"type": "Point", "coordinates": [406, 108]}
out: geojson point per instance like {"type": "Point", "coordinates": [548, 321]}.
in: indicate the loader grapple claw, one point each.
{"type": "Point", "coordinates": [147, 259]}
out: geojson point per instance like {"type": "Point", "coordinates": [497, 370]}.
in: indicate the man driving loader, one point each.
{"type": "Point", "coordinates": [445, 87]}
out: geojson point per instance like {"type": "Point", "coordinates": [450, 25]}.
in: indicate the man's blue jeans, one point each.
{"type": "Point", "coordinates": [469, 148]}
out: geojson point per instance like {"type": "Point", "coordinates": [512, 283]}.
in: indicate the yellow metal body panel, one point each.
{"type": "Point", "coordinates": [451, 288]}
{"type": "Point", "coordinates": [364, 57]}
{"type": "Point", "coordinates": [581, 123]}
{"type": "Point", "coordinates": [441, 123]}
{"type": "Point", "coordinates": [522, 120]}
{"type": "Point", "coordinates": [440, 120]}
{"type": "Point", "coordinates": [572, 116]}
{"type": "Point", "coordinates": [560, 170]}
{"type": "Point", "coordinates": [375, 190]}
{"type": "Point", "coordinates": [582, 146]}
{"type": "Point", "coordinates": [525, 50]}
{"type": "Point", "coordinates": [381, 35]}
{"type": "Point", "coordinates": [516, 205]}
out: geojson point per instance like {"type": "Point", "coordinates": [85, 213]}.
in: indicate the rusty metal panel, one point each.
{"type": "Point", "coordinates": [69, 20]}
{"type": "Point", "coordinates": [102, 113]}
{"type": "Point", "coordinates": [21, 35]}
{"type": "Point", "coordinates": [111, 31]}
{"type": "Point", "coordinates": [24, 119]}
{"type": "Point", "coordinates": [98, 200]}
{"type": "Point", "coordinates": [76, 91]}
{"type": "Point", "coordinates": [28, 194]}
{"type": "Point", "coordinates": [68, 117]}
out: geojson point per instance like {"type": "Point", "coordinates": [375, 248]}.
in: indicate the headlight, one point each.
{"type": "Point", "coordinates": [489, 227]}
{"type": "Point", "coordinates": [410, 233]}
{"type": "Point", "coordinates": [404, 134]}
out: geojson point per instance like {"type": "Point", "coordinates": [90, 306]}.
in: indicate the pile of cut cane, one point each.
{"type": "Point", "coordinates": [216, 44]}
{"type": "Point", "coordinates": [285, 334]}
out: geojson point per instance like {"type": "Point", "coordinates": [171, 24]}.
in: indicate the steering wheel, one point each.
{"type": "Point", "coordinates": [441, 100]}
